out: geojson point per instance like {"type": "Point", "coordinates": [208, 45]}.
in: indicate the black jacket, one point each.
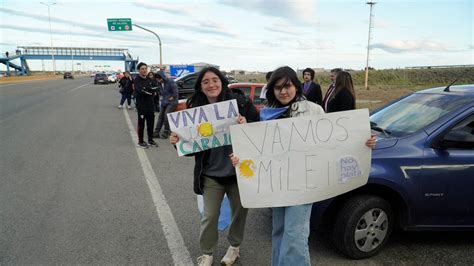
{"type": "Point", "coordinates": [144, 94]}
{"type": "Point", "coordinates": [246, 109]}
{"type": "Point", "coordinates": [314, 93]}
{"type": "Point", "coordinates": [127, 85]}
{"type": "Point", "coordinates": [342, 101]}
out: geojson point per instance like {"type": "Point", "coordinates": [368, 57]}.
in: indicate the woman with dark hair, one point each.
{"type": "Point", "coordinates": [343, 98]}
{"type": "Point", "coordinates": [311, 90]}
{"type": "Point", "coordinates": [214, 174]}
{"type": "Point", "coordinates": [291, 223]}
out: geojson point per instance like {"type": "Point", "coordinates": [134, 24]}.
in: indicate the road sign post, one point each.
{"type": "Point", "coordinates": [119, 24]}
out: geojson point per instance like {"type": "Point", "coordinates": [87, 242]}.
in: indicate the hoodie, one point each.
{"type": "Point", "coordinates": [169, 89]}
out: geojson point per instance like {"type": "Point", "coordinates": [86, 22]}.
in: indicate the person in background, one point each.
{"type": "Point", "coordinates": [331, 88]}
{"type": "Point", "coordinates": [263, 93]}
{"type": "Point", "coordinates": [169, 100]}
{"type": "Point", "coordinates": [291, 223]}
{"type": "Point", "coordinates": [145, 105]}
{"type": "Point", "coordinates": [311, 89]}
{"type": "Point", "coordinates": [343, 96]}
{"type": "Point", "coordinates": [214, 175]}
{"type": "Point", "coordinates": [126, 89]}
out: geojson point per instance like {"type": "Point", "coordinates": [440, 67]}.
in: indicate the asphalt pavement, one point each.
{"type": "Point", "coordinates": [74, 190]}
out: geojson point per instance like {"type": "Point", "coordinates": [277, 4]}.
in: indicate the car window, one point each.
{"type": "Point", "coordinates": [415, 112]}
{"type": "Point", "coordinates": [190, 82]}
{"type": "Point", "coordinates": [465, 126]}
{"type": "Point", "coordinates": [256, 95]}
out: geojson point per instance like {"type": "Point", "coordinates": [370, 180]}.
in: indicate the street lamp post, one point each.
{"type": "Point", "coordinates": [371, 3]}
{"type": "Point", "coordinates": [50, 33]}
{"type": "Point", "coordinates": [159, 40]}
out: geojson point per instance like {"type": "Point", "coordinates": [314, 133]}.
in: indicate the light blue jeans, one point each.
{"type": "Point", "coordinates": [290, 235]}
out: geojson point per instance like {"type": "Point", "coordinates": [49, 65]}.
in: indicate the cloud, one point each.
{"type": "Point", "coordinates": [45, 18]}
{"type": "Point", "coordinates": [207, 26]}
{"type": "Point", "coordinates": [107, 37]}
{"type": "Point", "coordinates": [402, 46]}
{"type": "Point", "coordinates": [166, 7]}
{"type": "Point", "coordinates": [280, 27]}
{"type": "Point", "coordinates": [301, 10]}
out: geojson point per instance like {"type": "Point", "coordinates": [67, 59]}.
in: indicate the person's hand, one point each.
{"type": "Point", "coordinates": [173, 138]}
{"type": "Point", "coordinates": [371, 142]}
{"type": "Point", "coordinates": [241, 120]}
{"type": "Point", "coordinates": [234, 159]}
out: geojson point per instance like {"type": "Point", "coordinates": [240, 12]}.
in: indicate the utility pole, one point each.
{"type": "Point", "coordinates": [371, 3]}
{"type": "Point", "coordinates": [50, 34]}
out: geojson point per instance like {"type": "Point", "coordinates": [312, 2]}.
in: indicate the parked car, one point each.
{"type": "Point", "coordinates": [101, 78]}
{"type": "Point", "coordinates": [422, 174]}
{"type": "Point", "coordinates": [112, 78]}
{"type": "Point", "coordinates": [185, 84]}
{"type": "Point", "coordinates": [68, 75]}
{"type": "Point", "coordinates": [251, 90]}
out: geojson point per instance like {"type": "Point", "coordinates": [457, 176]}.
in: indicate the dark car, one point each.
{"type": "Point", "coordinates": [185, 84]}
{"type": "Point", "coordinates": [101, 78]}
{"type": "Point", "coordinates": [422, 175]}
{"type": "Point", "coordinates": [68, 75]}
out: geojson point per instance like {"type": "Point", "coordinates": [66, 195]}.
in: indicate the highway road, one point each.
{"type": "Point", "coordinates": [76, 190]}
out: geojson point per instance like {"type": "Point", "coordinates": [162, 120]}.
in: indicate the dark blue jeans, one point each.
{"type": "Point", "coordinates": [128, 97]}
{"type": "Point", "coordinates": [163, 118]}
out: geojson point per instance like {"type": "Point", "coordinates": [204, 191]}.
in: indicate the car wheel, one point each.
{"type": "Point", "coordinates": [363, 226]}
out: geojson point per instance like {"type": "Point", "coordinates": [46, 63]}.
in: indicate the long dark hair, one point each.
{"type": "Point", "coordinates": [344, 82]}
{"type": "Point", "coordinates": [288, 75]}
{"type": "Point", "coordinates": [199, 98]}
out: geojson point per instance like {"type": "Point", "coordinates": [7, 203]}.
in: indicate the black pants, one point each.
{"type": "Point", "coordinates": [149, 117]}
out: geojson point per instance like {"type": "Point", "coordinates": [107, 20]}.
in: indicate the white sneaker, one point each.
{"type": "Point", "coordinates": [130, 108]}
{"type": "Point", "coordinates": [205, 260]}
{"type": "Point", "coordinates": [119, 107]}
{"type": "Point", "coordinates": [230, 256]}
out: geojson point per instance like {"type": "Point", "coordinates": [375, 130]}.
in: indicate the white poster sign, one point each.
{"type": "Point", "coordinates": [303, 159]}
{"type": "Point", "coordinates": [204, 127]}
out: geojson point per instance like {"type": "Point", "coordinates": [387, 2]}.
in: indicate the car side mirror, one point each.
{"type": "Point", "coordinates": [459, 138]}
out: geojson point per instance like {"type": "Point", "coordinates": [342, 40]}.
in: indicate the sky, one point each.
{"type": "Point", "coordinates": [255, 35]}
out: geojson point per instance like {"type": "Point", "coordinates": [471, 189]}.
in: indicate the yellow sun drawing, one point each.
{"type": "Point", "coordinates": [205, 129]}
{"type": "Point", "coordinates": [246, 168]}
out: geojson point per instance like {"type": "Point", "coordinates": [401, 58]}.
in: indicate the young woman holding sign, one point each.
{"type": "Point", "coordinates": [214, 174]}
{"type": "Point", "coordinates": [290, 224]}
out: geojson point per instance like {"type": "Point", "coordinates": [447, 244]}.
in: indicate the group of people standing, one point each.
{"type": "Point", "coordinates": [214, 172]}
{"type": "Point", "coordinates": [153, 92]}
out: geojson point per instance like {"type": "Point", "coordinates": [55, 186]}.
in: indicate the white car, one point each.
{"type": "Point", "coordinates": [112, 78]}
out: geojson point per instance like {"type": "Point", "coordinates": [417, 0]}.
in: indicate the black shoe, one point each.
{"type": "Point", "coordinates": [152, 143]}
{"type": "Point", "coordinates": [156, 134]}
{"type": "Point", "coordinates": [142, 145]}
{"type": "Point", "coordinates": [164, 136]}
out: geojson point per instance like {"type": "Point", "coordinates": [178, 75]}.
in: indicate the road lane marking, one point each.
{"type": "Point", "coordinates": [78, 87]}
{"type": "Point", "coordinates": [179, 252]}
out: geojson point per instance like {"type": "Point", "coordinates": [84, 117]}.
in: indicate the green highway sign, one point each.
{"type": "Point", "coordinates": [119, 24]}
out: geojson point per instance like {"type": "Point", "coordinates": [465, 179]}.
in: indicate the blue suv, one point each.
{"type": "Point", "coordinates": [422, 175]}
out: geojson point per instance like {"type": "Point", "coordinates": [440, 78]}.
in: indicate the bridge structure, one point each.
{"type": "Point", "coordinates": [18, 60]}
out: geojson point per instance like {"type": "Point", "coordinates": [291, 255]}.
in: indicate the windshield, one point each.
{"type": "Point", "coordinates": [415, 112]}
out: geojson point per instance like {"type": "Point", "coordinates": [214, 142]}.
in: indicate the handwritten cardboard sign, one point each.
{"type": "Point", "coordinates": [204, 127]}
{"type": "Point", "coordinates": [303, 159]}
